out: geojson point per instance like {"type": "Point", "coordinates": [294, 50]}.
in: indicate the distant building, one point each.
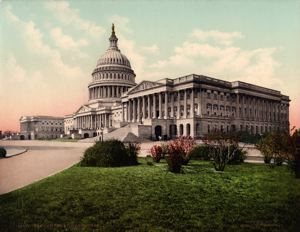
{"type": "Point", "coordinates": [41, 127]}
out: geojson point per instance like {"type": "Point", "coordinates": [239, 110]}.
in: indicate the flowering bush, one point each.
{"type": "Point", "coordinates": [183, 145]}
{"type": "Point", "coordinates": [174, 159]}
{"type": "Point", "coordinates": [156, 153]}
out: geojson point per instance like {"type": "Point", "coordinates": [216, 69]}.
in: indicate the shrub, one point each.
{"type": "Point", "coordinates": [292, 152]}
{"type": "Point", "coordinates": [149, 160]}
{"type": "Point", "coordinates": [165, 150]}
{"type": "Point", "coordinates": [2, 152]}
{"type": "Point", "coordinates": [156, 153]}
{"type": "Point", "coordinates": [111, 153]}
{"type": "Point", "coordinates": [222, 147]}
{"type": "Point", "coordinates": [267, 158]}
{"type": "Point", "coordinates": [174, 159]}
{"type": "Point", "coordinates": [274, 148]}
{"type": "Point", "coordinates": [183, 145]}
{"type": "Point", "coordinates": [238, 157]}
{"type": "Point", "coordinates": [132, 151]}
{"type": "Point", "coordinates": [200, 152]}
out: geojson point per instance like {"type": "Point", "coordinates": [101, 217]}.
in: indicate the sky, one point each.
{"type": "Point", "coordinates": [48, 49]}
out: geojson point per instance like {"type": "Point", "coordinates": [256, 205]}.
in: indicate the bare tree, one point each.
{"type": "Point", "coordinates": [222, 147]}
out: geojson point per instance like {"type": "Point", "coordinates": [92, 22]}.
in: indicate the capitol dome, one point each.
{"type": "Point", "coordinates": [113, 74]}
{"type": "Point", "coordinates": [113, 57]}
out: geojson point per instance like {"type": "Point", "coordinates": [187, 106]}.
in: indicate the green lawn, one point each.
{"type": "Point", "coordinates": [247, 197]}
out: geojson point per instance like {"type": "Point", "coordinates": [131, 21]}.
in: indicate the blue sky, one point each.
{"type": "Point", "coordinates": [49, 48]}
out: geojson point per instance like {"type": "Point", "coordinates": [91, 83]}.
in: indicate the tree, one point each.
{"type": "Point", "coordinates": [222, 147]}
{"type": "Point", "coordinates": [279, 147]}
{"type": "Point", "coordinates": [274, 147]}
{"type": "Point", "coordinates": [293, 152]}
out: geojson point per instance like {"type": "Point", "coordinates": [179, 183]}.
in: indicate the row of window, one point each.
{"type": "Point", "coordinates": [248, 128]}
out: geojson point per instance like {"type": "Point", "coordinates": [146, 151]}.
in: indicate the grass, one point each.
{"type": "Point", "coordinates": [245, 197]}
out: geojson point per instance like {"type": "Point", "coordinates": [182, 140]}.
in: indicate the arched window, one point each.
{"type": "Point", "coordinates": [188, 129]}
{"type": "Point", "coordinates": [180, 129]}
{"type": "Point", "coordinates": [198, 129]}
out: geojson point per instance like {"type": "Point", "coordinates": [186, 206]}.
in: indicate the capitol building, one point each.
{"type": "Point", "coordinates": [191, 105]}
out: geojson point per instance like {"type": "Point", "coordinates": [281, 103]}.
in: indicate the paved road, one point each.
{"type": "Point", "coordinates": [43, 158]}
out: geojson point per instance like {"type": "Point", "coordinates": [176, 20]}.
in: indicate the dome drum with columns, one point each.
{"type": "Point", "coordinates": [112, 76]}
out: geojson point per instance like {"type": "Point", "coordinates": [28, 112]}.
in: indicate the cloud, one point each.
{"type": "Point", "coordinates": [66, 42]}
{"type": "Point", "coordinates": [34, 41]}
{"type": "Point", "coordinates": [151, 49]}
{"type": "Point", "coordinates": [69, 16]}
{"type": "Point", "coordinates": [214, 59]}
{"type": "Point", "coordinates": [130, 49]}
{"type": "Point", "coordinates": [13, 70]}
{"type": "Point", "coordinates": [225, 38]}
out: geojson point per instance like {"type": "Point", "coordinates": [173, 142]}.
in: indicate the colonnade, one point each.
{"type": "Point", "coordinates": [193, 102]}
{"type": "Point", "coordinates": [162, 106]}
{"type": "Point", "coordinates": [92, 121]}
{"type": "Point", "coordinates": [258, 109]}
{"type": "Point", "coordinates": [106, 91]}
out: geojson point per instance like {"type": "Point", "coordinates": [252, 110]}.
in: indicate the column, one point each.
{"type": "Point", "coordinates": [129, 110]}
{"type": "Point", "coordinates": [113, 91]}
{"type": "Point", "coordinates": [238, 105]}
{"type": "Point", "coordinates": [127, 104]}
{"type": "Point", "coordinates": [154, 106]}
{"type": "Point", "coordinates": [138, 109]}
{"type": "Point", "coordinates": [178, 104]}
{"type": "Point", "coordinates": [109, 91]}
{"type": "Point", "coordinates": [200, 102]}
{"type": "Point", "coordinates": [192, 114]}
{"type": "Point", "coordinates": [159, 105]}
{"type": "Point", "coordinates": [149, 107]}
{"type": "Point", "coordinates": [144, 108]}
{"type": "Point", "coordinates": [166, 105]}
{"type": "Point", "coordinates": [123, 116]}
{"type": "Point", "coordinates": [133, 110]}
{"type": "Point", "coordinates": [105, 120]}
{"type": "Point", "coordinates": [172, 104]}
{"type": "Point", "coordinates": [185, 104]}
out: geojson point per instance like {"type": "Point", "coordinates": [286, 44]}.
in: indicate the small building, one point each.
{"type": "Point", "coordinates": [41, 127]}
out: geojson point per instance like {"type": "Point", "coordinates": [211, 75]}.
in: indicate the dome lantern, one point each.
{"type": "Point", "coordinates": [113, 39]}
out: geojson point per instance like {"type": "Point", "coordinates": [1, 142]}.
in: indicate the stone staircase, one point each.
{"type": "Point", "coordinates": [254, 156]}
{"type": "Point", "coordinates": [117, 133]}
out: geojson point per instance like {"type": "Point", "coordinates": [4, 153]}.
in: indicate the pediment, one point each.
{"type": "Point", "coordinates": [143, 86]}
{"type": "Point", "coordinates": [83, 109]}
